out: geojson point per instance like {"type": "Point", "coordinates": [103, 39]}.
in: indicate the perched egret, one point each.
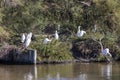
{"type": "Point", "coordinates": [29, 36]}
{"type": "Point", "coordinates": [78, 32]}
{"type": "Point", "coordinates": [95, 28]}
{"type": "Point", "coordinates": [23, 38]}
{"type": "Point", "coordinates": [106, 52]}
{"type": "Point", "coordinates": [46, 40]}
{"type": "Point", "coordinates": [28, 40]}
{"type": "Point", "coordinates": [56, 35]}
{"type": "Point", "coordinates": [58, 27]}
{"type": "Point", "coordinates": [82, 33]}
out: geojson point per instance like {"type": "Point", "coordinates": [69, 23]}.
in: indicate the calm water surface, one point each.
{"type": "Point", "coordinates": [76, 71]}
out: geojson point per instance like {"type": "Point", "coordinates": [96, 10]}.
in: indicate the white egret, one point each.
{"type": "Point", "coordinates": [46, 40]}
{"type": "Point", "coordinates": [28, 40]}
{"type": "Point", "coordinates": [106, 52]}
{"type": "Point", "coordinates": [58, 27]}
{"type": "Point", "coordinates": [82, 32]}
{"type": "Point", "coordinates": [27, 43]}
{"type": "Point", "coordinates": [23, 38]}
{"type": "Point", "coordinates": [78, 32]}
{"type": "Point", "coordinates": [56, 35]}
{"type": "Point", "coordinates": [29, 35]}
{"type": "Point", "coordinates": [95, 28]}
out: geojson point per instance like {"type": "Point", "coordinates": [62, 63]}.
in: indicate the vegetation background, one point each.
{"type": "Point", "coordinates": [42, 17]}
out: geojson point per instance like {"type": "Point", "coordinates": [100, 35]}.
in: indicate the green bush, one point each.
{"type": "Point", "coordinates": [54, 50]}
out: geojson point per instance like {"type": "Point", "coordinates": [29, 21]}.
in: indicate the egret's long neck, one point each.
{"type": "Point", "coordinates": [79, 28]}
{"type": "Point", "coordinates": [56, 32]}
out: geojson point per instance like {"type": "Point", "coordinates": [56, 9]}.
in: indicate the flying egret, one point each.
{"type": "Point", "coordinates": [56, 35]}
{"type": "Point", "coordinates": [46, 40]}
{"type": "Point", "coordinates": [23, 38]}
{"type": "Point", "coordinates": [78, 32]}
{"type": "Point", "coordinates": [28, 40]}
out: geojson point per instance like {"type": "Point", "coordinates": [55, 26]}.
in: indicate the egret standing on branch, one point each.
{"type": "Point", "coordinates": [106, 52]}
{"type": "Point", "coordinates": [28, 40]}
{"type": "Point", "coordinates": [58, 27]}
{"type": "Point", "coordinates": [29, 36]}
{"type": "Point", "coordinates": [56, 35]}
{"type": "Point", "coordinates": [95, 28]}
{"type": "Point", "coordinates": [23, 38]}
{"type": "Point", "coordinates": [80, 33]}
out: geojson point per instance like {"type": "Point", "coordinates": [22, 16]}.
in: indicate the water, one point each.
{"type": "Point", "coordinates": [76, 71]}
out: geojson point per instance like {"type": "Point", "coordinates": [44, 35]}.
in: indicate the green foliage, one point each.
{"type": "Point", "coordinates": [54, 50]}
{"type": "Point", "coordinates": [3, 34]}
{"type": "Point", "coordinates": [19, 16]}
{"type": "Point", "coordinates": [32, 16]}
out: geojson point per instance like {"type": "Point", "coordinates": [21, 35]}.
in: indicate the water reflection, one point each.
{"type": "Point", "coordinates": [106, 71]}
{"type": "Point", "coordinates": [28, 76]}
{"type": "Point", "coordinates": [31, 75]}
{"type": "Point", "coordinates": [18, 72]}
{"type": "Point", "coordinates": [77, 71]}
{"type": "Point", "coordinates": [83, 77]}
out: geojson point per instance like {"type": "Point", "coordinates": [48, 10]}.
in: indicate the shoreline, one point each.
{"type": "Point", "coordinates": [56, 62]}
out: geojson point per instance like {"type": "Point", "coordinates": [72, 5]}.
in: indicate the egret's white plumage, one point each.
{"type": "Point", "coordinates": [95, 28]}
{"type": "Point", "coordinates": [106, 52]}
{"type": "Point", "coordinates": [46, 40]}
{"type": "Point", "coordinates": [58, 27]}
{"type": "Point", "coordinates": [56, 35]}
{"type": "Point", "coordinates": [23, 38]}
{"type": "Point", "coordinates": [28, 40]}
{"type": "Point", "coordinates": [78, 32]}
{"type": "Point", "coordinates": [82, 33]}
{"type": "Point", "coordinates": [29, 36]}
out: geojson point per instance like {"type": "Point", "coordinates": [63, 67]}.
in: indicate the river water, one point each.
{"type": "Point", "coordinates": [71, 71]}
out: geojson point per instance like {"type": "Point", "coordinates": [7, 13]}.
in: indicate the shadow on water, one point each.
{"type": "Point", "coordinates": [76, 71]}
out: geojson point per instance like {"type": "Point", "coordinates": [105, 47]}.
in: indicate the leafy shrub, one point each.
{"type": "Point", "coordinates": [54, 50]}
